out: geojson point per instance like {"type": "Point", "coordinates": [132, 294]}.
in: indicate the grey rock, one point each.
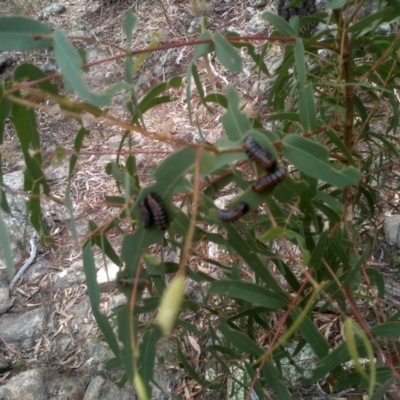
{"type": "Point", "coordinates": [384, 29]}
{"type": "Point", "coordinates": [78, 33]}
{"type": "Point", "coordinates": [194, 25]}
{"type": "Point", "coordinates": [19, 228]}
{"type": "Point", "coordinates": [257, 24]}
{"type": "Point", "coordinates": [248, 13]}
{"type": "Point", "coordinates": [4, 364]}
{"type": "Point", "coordinates": [258, 88]}
{"type": "Point", "coordinates": [5, 61]}
{"type": "Point", "coordinates": [5, 302]}
{"type": "Point", "coordinates": [55, 8]}
{"type": "Point", "coordinates": [49, 68]}
{"type": "Point", "coordinates": [112, 392]}
{"type": "Point", "coordinates": [94, 389]}
{"type": "Point", "coordinates": [106, 276]}
{"type": "Point", "coordinates": [20, 330]}
{"type": "Point", "coordinates": [42, 384]}
{"type": "Point", "coordinates": [14, 180]}
{"type": "Point", "coordinates": [93, 8]}
{"type": "Point", "coordinates": [71, 276]}
{"type": "Point", "coordinates": [391, 226]}
{"type": "Point", "coordinates": [257, 3]}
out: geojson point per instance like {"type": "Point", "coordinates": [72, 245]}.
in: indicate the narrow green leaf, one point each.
{"type": "Point", "coordinates": [19, 33]}
{"type": "Point", "coordinates": [217, 98]}
{"type": "Point", "coordinates": [142, 56]}
{"type": "Point", "coordinates": [250, 292]}
{"type": "Point", "coordinates": [25, 124]}
{"type": "Point", "coordinates": [70, 207]}
{"type": "Point", "coordinates": [318, 252]}
{"type": "Point", "coordinates": [395, 4]}
{"type": "Point", "coordinates": [301, 66]}
{"type": "Point", "coordinates": [5, 245]}
{"type": "Point", "coordinates": [70, 63]}
{"type": "Point", "coordinates": [377, 279]}
{"type": "Point", "coordinates": [101, 240]}
{"type": "Point", "coordinates": [130, 23]}
{"type": "Point", "coordinates": [174, 168]}
{"type": "Point", "coordinates": [387, 329]}
{"type": "Point", "coordinates": [311, 158]}
{"type": "Point", "coordinates": [204, 48]}
{"type": "Point", "coordinates": [335, 4]}
{"type": "Point", "coordinates": [372, 21]}
{"type": "Point", "coordinates": [239, 339]}
{"type": "Point", "coordinates": [235, 123]}
{"type": "Point", "coordinates": [257, 386]}
{"type": "Point", "coordinates": [284, 116]}
{"type": "Point", "coordinates": [94, 296]}
{"type": "Point", "coordinates": [193, 373]}
{"type": "Point", "coordinates": [279, 23]}
{"type": "Point", "coordinates": [80, 136]}
{"type": "Point", "coordinates": [378, 395]}
{"type": "Point", "coordinates": [147, 355]}
{"type": "Point", "coordinates": [227, 55]}
{"type": "Point", "coordinates": [308, 113]}
{"type": "Point", "coordinates": [32, 72]}
{"type": "Point", "coordinates": [273, 379]}
{"type": "Point", "coordinates": [5, 109]}
{"type": "Point", "coordinates": [312, 335]}
{"type": "Point", "coordinates": [128, 68]}
{"type": "Point", "coordinates": [128, 353]}
{"type": "Point", "coordinates": [176, 82]}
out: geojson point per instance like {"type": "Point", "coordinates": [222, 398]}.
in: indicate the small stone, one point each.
{"type": "Point", "coordinates": [5, 61]}
{"type": "Point", "coordinates": [391, 226]}
{"type": "Point", "coordinates": [194, 25]}
{"type": "Point", "coordinates": [49, 68]}
{"type": "Point", "coordinates": [55, 8]}
{"type": "Point", "coordinates": [94, 389]}
{"type": "Point", "coordinates": [20, 330]}
{"type": "Point", "coordinates": [5, 302]}
{"type": "Point", "coordinates": [93, 8]}
{"type": "Point", "coordinates": [257, 3]}
{"type": "Point", "coordinates": [78, 33]}
{"type": "Point", "coordinates": [256, 25]}
{"type": "Point", "coordinates": [4, 364]}
{"type": "Point", "coordinates": [42, 384]}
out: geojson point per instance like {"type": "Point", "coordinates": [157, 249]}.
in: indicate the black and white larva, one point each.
{"type": "Point", "coordinates": [269, 181]}
{"type": "Point", "coordinates": [158, 214]}
{"type": "Point", "coordinates": [233, 214]}
{"type": "Point", "coordinates": [257, 154]}
{"type": "Point", "coordinates": [147, 218]}
{"type": "Point", "coordinates": [141, 282]}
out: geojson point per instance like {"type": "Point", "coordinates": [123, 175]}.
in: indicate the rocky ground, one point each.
{"type": "Point", "coordinates": [49, 343]}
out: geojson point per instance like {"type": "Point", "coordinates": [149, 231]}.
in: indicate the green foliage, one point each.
{"type": "Point", "coordinates": [298, 248]}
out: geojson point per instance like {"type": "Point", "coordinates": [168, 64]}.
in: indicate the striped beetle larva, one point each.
{"type": "Point", "coordinates": [141, 282]}
{"type": "Point", "coordinates": [234, 213]}
{"type": "Point", "coordinates": [147, 218]}
{"type": "Point", "coordinates": [158, 214]}
{"type": "Point", "coordinates": [269, 181]}
{"type": "Point", "coordinates": [257, 154]}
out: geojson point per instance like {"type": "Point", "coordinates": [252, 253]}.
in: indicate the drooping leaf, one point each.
{"type": "Point", "coordinates": [250, 292]}
{"type": "Point", "coordinates": [279, 23]}
{"type": "Point", "coordinates": [130, 23]}
{"type": "Point", "coordinates": [311, 158]}
{"type": "Point", "coordinates": [235, 123]}
{"type": "Point", "coordinates": [5, 244]}
{"type": "Point", "coordinates": [227, 55]}
{"type": "Point", "coordinates": [307, 110]}
{"type": "Point", "coordinates": [94, 297]}
{"type": "Point", "coordinates": [22, 34]}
